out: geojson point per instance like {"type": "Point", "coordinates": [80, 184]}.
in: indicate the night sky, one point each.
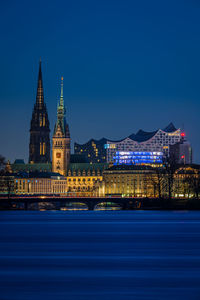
{"type": "Point", "coordinates": [126, 65]}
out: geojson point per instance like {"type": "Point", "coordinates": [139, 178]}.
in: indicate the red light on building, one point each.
{"type": "Point", "coordinates": [183, 156]}
{"type": "Point", "coordinates": [182, 134]}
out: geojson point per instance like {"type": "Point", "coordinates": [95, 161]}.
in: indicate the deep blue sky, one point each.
{"type": "Point", "coordinates": [126, 65]}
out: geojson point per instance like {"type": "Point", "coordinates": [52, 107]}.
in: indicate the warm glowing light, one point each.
{"type": "Point", "coordinates": [182, 134]}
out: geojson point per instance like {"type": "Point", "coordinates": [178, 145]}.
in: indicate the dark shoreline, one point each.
{"type": "Point", "coordinates": [119, 204]}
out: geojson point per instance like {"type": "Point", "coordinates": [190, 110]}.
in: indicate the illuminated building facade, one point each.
{"type": "Point", "coordinates": [137, 158]}
{"type": "Point", "coordinates": [43, 183]}
{"type": "Point", "coordinates": [182, 152]}
{"type": "Point", "coordinates": [146, 181]}
{"type": "Point", "coordinates": [85, 180]}
{"type": "Point", "coordinates": [187, 181]}
{"type": "Point", "coordinates": [130, 181]}
{"type": "Point", "coordinates": [82, 181]}
{"type": "Point", "coordinates": [104, 150]}
{"type": "Point", "coordinates": [157, 141]}
{"type": "Point", "coordinates": [93, 150]}
{"type": "Point", "coordinates": [39, 146]}
{"type": "Point", "coordinates": [61, 140]}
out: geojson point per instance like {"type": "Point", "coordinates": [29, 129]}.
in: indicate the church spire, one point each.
{"type": "Point", "coordinates": [61, 111]}
{"type": "Point", "coordinates": [39, 146]}
{"type": "Point", "coordinates": [40, 93]}
{"type": "Point", "coordinates": [61, 139]}
{"type": "Point", "coordinates": [61, 94]}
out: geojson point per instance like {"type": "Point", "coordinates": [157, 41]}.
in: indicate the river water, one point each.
{"type": "Point", "coordinates": [106, 255]}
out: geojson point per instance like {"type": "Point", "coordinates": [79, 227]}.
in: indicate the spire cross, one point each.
{"type": "Point", "coordinates": [61, 94]}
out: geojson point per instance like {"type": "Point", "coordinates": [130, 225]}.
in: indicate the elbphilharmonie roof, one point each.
{"type": "Point", "coordinates": [140, 136]}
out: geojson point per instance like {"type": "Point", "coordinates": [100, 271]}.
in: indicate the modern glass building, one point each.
{"type": "Point", "coordinates": [137, 158]}
{"type": "Point", "coordinates": [155, 141]}
{"type": "Point", "coordinates": [104, 150]}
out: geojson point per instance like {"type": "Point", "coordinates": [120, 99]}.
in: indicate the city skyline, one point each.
{"type": "Point", "coordinates": [118, 79]}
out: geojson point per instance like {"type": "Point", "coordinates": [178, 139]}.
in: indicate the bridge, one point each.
{"type": "Point", "coordinates": [34, 202]}
{"type": "Point", "coordinates": [58, 202]}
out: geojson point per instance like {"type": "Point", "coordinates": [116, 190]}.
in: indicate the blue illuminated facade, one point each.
{"type": "Point", "coordinates": [137, 158]}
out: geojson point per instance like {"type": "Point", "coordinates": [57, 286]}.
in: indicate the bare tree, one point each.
{"type": "Point", "coordinates": [192, 184]}
{"type": "Point", "coordinates": [6, 179]}
{"type": "Point", "coordinates": [156, 180]}
{"type": "Point", "coordinates": [170, 166]}
{"type": "Point", "coordinates": [2, 163]}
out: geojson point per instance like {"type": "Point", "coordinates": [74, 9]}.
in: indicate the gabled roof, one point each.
{"type": "Point", "coordinates": [19, 161]}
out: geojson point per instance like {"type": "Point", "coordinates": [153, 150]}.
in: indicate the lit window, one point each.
{"type": "Point", "coordinates": [40, 120]}
{"type": "Point", "coordinates": [44, 148]}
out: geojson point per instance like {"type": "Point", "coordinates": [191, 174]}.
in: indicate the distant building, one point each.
{"type": "Point", "coordinates": [187, 181]}
{"type": "Point", "coordinates": [182, 152]}
{"type": "Point", "coordinates": [99, 180]}
{"type": "Point", "coordinates": [39, 147]}
{"type": "Point", "coordinates": [61, 140]}
{"type": "Point", "coordinates": [146, 181]}
{"type": "Point", "coordinates": [93, 150]}
{"type": "Point", "coordinates": [105, 150]}
{"type": "Point", "coordinates": [156, 141]}
{"type": "Point", "coordinates": [43, 183]}
{"type": "Point", "coordinates": [83, 180]}
{"type": "Point", "coordinates": [130, 181]}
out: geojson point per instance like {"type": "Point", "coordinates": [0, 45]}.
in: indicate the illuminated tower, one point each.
{"type": "Point", "coordinates": [61, 140]}
{"type": "Point", "coordinates": [39, 146]}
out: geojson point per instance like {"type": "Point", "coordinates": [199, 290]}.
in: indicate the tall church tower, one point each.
{"type": "Point", "coordinates": [61, 140]}
{"type": "Point", "coordinates": [39, 146]}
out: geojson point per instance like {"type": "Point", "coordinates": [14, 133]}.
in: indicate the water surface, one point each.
{"type": "Point", "coordinates": [92, 255]}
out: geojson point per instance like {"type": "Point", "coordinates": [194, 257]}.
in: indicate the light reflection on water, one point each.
{"type": "Point", "coordinates": [99, 255]}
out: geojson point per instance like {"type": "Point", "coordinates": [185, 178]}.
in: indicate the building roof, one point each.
{"type": "Point", "coordinates": [18, 167]}
{"type": "Point", "coordinates": [43, 169]}
{"type": "Point", "coordinates": [170, 128]}
{"type": "Point", "coordinates": [130, 167]}
{"type": "Point", "coordinates": [37, 174]}
{"type": "Point", "coordinates": [19, 161]}
{"type": "Point", "coordinates": [140, 136]}
{"type": "Point", "coordinates": [143, 136]}
{"type": "Point", "coordinates": [87, 166]}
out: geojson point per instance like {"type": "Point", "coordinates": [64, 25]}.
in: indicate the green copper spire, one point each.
{"type": "Point", "coordinates": [61, 107]}
{"type": "Point", "coordinates": [61, 111]}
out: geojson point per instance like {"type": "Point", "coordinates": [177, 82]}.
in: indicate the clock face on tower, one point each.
{"type": "Point", "coordinates": [58, 155]}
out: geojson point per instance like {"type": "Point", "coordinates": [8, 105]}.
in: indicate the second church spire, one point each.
{"type": "Point", "coordinates": [40, 92]}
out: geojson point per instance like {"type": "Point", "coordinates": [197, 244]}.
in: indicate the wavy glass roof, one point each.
{"type": "Point", "coordinates": [140, 136]}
